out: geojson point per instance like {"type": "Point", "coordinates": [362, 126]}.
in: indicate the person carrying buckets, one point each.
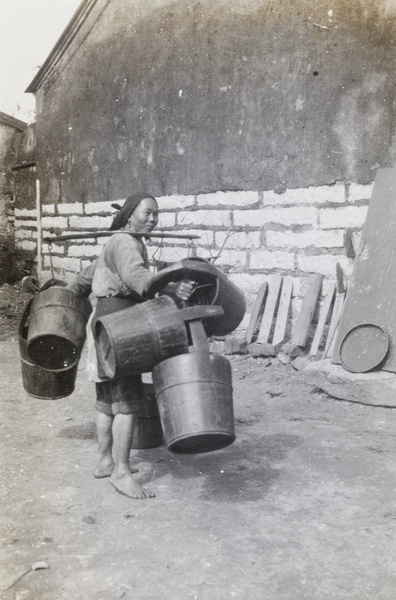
{"type": "Point", "coordinates": [119, 279]}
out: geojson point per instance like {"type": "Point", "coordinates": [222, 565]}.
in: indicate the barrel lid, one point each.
{"type": "Point", "coordinates": [364, 347]}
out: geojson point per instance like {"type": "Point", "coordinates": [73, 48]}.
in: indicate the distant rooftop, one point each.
{"type": "Point", "coordinates": [12, 122]}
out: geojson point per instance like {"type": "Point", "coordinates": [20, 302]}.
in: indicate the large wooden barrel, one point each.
{"type": "Point", "coordinates": [212, 287]}
{"type": "Point", "coordinates": [194, 395]}
{"type": "Point", "coordinates": [37, 382]}
{"type": "Point", "coordinates": [57, 331]}
{"type": "Point", "coordinates": [135, 339]}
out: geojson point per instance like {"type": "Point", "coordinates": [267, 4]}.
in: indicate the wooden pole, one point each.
{"type": "Point", "coordinates": [137, 234]}
{"type": "Point", "coordinates": [39, 231]}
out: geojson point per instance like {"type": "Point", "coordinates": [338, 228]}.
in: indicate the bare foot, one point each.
{"type": "Point", "coordinates": [106, 468]}
{"type": "Point", "coordinates": [127, 485]}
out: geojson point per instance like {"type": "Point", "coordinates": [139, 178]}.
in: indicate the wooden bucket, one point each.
{"type": "Point", "coordinates": [135, 339]}
{"type": "Point", "coordinates": [37, 382]}
{"type": "Point", "coordinates": [194, 394]}
{"type": "Point", "coordinates": [212, 287]}
{"type": "Point", "coordinates": [56, 331]}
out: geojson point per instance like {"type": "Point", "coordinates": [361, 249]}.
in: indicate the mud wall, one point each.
{"type": "Point", "coordinates": [7, 137]}
{"type": "Point", "coordinates": [16, 258]}
{"type": "Point", "coordinates": [17, 169]}
{"type": "Point", "coordinates": [191, 96]}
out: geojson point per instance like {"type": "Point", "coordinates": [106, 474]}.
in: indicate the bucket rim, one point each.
{"type": "Point", "coordinates": [36, 340]}
{"type": "Point", "coordinates": [227, 437]}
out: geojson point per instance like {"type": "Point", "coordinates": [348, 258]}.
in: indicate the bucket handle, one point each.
{"type": "Point", "coordinates": [199, 339]}
{"type": "Point", "coordinates": [184, 269]}
{"type": "Point", "coordinates": [192, 313]}
{"type": "Point", "coordinates": [24, 319]}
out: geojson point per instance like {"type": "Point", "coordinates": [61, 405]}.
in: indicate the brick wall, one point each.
{"type": "Point", "coordinates": [256, 234]}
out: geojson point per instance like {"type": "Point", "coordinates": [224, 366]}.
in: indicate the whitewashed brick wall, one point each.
{"type": "Point", "coordinates": [254, 235]}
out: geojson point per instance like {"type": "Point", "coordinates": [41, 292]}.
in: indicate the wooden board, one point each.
{"type": "Point", "coordinates": [323, 316]}
{"type": "Point", "coordinates": [334, 323]}
{"type": "Point", "coordinates": [371, 294]}
{"type": "Point", "coordinates": [283, 311]}
{"type": "Point", "coordinates": [257, 309]}
{"type": "Point", "coordinates": [308, 307]}
{"type": "Point", "coordinates": [270, 307]}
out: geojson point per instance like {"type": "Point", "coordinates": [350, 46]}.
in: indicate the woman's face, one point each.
{"type": "Point", "coordinates": [144, 217]}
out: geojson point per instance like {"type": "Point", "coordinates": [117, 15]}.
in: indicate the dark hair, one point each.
{"type": "Point", "coordinates": [121, 218]}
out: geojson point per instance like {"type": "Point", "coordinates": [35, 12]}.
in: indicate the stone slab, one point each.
{"type": "Point", "coordinates": [262, 349]}
{"type": "Point", "coordinates": [377, 388]}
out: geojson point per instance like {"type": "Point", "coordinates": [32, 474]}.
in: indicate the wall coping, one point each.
{"type": "Point", "coordinates": [65, 41]}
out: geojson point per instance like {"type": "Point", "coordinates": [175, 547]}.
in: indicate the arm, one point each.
{"type": "Point", "coordinates": [82, 283]}
{"type": "Point", "coordinates": [129, 259]}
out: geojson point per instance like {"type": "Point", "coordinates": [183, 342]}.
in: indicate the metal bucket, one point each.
{"type": "Point", "coordinates": [56, 331]}
{"type": "Point", "coordinates": [37, 382]}
{"type": "Point", "coordinates": [212, 287]}
{"type": "Point", "coordinates": [147, 431]}
{"type": "Point", "coordinates": [194, 394]}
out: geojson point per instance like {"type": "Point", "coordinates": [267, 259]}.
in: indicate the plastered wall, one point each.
{"type": "Point", "coordinates": [186, 97]}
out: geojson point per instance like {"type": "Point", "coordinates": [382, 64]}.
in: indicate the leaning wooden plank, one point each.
{"type": "Point", "coordinates": [334, 323]}
{"type": "Point", "coordinates": [337, 310]}
{"type": "Point", "coordinates": [307, 309]}
{"type": "Point", "coordinates": [283, 311]}
{"type": "Point", "coordinates": [323, 316]}
{"type": "Point", "coordinates": [257, 309]}
{"type": "Point", "coordinates": [270, 307]}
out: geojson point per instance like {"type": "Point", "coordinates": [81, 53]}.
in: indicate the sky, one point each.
{"type": "Point", "coordinates": [29, 29]}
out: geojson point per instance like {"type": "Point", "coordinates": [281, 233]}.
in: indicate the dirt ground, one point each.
{"type": "Point", "coordinates": [12, 303]}
{"type": "Point", "coordinates": [301, 507]}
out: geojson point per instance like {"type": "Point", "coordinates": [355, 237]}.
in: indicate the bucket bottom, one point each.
{"type": "Point", "coordinates": [201, 442]}
{"type": "Point", "coordinates": [47, 385]}
{"type": "Point", "coordinates": [194, 393]}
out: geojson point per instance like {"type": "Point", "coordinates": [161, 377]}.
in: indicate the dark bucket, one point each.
{"type": "Point", "coordinates": [195, 403]}
{"type": "Point", "coordinates": [37, 382]}
{"type": "Point", "coordinates": [212, 287]}
{"type": "Point", "coordinates": [194, 394]}
{"type": "Point", "coordinates": [135, 339]}
{"type": "Point", "coordinates": [147, 432]}
{"type": "Point", "coordinates": [56, 331]}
